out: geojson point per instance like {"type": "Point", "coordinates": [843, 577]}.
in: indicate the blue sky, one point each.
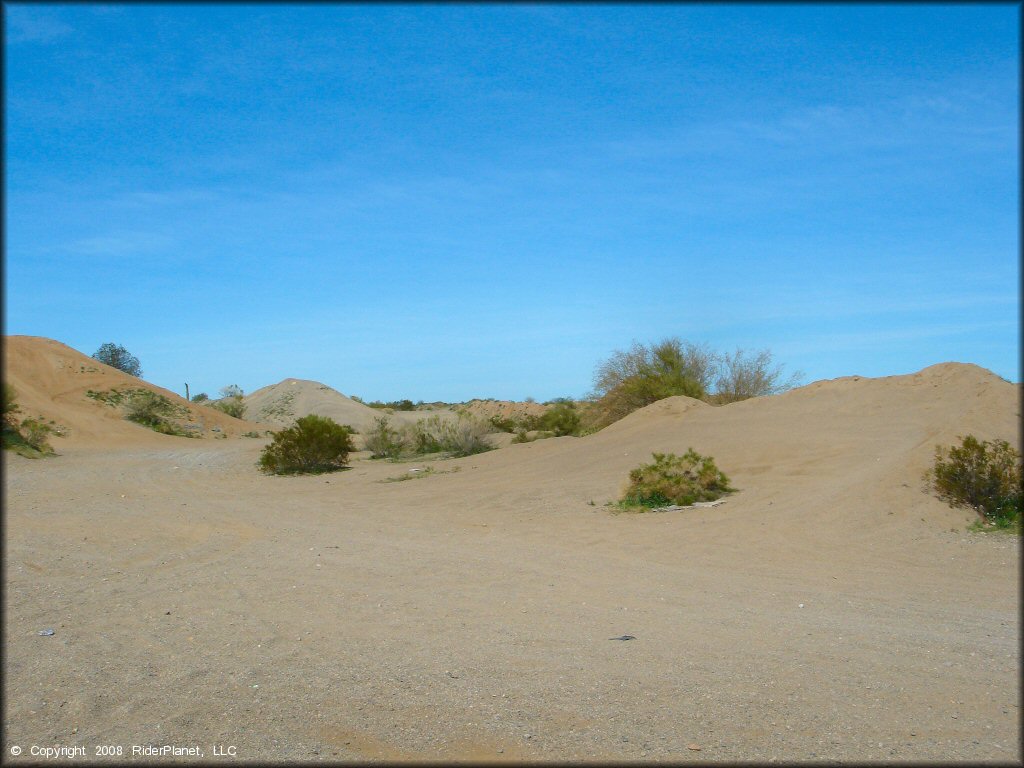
{"type": "Point", "coordinates": [442, 202]}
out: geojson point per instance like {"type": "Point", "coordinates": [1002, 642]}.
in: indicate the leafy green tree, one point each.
{"type": "Point", "coordinates": [116, 356]}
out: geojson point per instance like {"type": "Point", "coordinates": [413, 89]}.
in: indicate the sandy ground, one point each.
{"type": "Point", "coordinates": [829, 610]}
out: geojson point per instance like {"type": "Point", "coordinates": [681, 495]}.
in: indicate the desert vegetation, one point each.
{"type": "Point", "coordinates": [643, 374]}
{"type": "Point", "coordinates": [231, 401]}
{"type": "Point", "coordinates": [383, 441]}
{"type": "Point", "coordinates": [563, 417]}
{"type": "Point", "coordinates": [393, 405]}
{"type": "Point", "coordinates": [671, 479]}
{"type": "Point", "coordinates": [116, 356]}
{"type": "Point", "coordinates": [462, 437]}
{"type": "Point", "coordinates": [145, 407]}
{"type": "Point", "coordinates": [27, 437]}
{"type": "Point", "coordinates": [313, 445]}
{"type": "Point", "coordinates": [740, 376]}
{"type": "Point", "coordinates": [155, 411]}
{"type": "Point", "coordinates": [981, 475]}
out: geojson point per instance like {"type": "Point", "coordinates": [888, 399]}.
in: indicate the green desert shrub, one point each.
{"type": "Point", "coordinates": [233, 406]}
{"type": "Point", "coordinates": [36, 434]}
{"type": "Point", "coordinates": [425, 436]}
{"type": "Point", "coordinates": [462, 437]}
{"type": "Point", "coordinates": [313, 444]}
{"type": "Point", "coordinates": [672, 479]}
{"type": "Point", "coordinates": [382, 441]}
{"type": "Point", "coordinates": [202, 397]}
{"type": "Point", "coordinates": [561, 418]}
{"type": "Point", "coordinates": [394, 405]}
{"type": "Point", "coordinates": [982, 475]}
{"type": "Point", "coordinates": [11, 407]}
{"type": "Point", "coordinates": [155, 411]}
{"type": "Point", "coordinates": [503, 423]}
{"type": "Point", "coordinates": [231, 401]}
{"type": "Point", "coordinates": [27, 437]}
{"type": "Point", "coordinates": [146, 408]}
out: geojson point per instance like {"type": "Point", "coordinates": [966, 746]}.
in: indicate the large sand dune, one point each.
{"type": "Point", "coordinates": [829, 609]}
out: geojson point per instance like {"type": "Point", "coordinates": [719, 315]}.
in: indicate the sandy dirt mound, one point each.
{"type": "Point", "coordinates": [53, 380]}
{"type": "Point", "coordinates": [844, 440]}
{"type": "Point", "coordinates": [830, 609]}
{"type": "Point", "coordinates": [280, 404]}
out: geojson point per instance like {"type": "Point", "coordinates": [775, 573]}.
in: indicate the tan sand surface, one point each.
{"type": "Point", "coordinates": [828, 610]}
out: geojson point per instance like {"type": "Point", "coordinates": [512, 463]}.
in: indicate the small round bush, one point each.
{"type": "Point", "coordinates": [672, 479]}
{"type": "Point", "coordinates": [562, 419]}
{"type": "Point", "coordinates": [313, 444]}
{"type": "Point", "coordinates": [985, 476]}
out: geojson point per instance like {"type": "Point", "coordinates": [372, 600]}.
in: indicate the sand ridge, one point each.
{"type": "Point", "coordinates": [52, 380]}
